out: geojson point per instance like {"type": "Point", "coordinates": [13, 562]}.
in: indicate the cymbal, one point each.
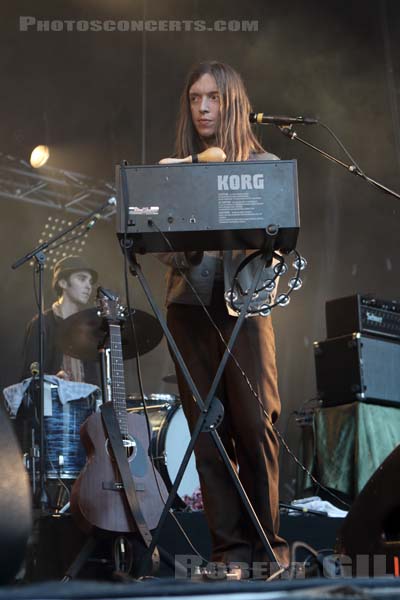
{"type": "Point", "coordinates": [81, 334]}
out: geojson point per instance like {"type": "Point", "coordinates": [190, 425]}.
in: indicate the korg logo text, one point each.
{"type": "Point", "coordinates": [240, 182]}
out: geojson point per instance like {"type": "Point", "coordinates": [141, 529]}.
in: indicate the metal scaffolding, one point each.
{"type": "Point", "coordinates": [55, 188]}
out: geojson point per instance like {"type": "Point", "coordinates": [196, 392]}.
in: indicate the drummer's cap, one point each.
{"type": "Point", "coordinates": [68, 265]}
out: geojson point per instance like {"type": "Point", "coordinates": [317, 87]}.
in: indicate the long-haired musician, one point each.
{"type": "Point", "coordinates": [214, 111]}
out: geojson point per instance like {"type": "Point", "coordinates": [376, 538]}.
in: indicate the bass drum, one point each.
{"type": "Point", "coordinates": [170, 438]}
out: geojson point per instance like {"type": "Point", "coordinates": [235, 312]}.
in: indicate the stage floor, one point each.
{"type": "Point", "coordinates": [317, 589]}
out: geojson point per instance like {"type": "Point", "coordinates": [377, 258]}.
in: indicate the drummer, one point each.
{"type": "Point", "coordinates": [72, 282]}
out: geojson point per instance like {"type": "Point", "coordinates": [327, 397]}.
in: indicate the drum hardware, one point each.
{"type": "Point", "coordinates": [215, 415]}
{"type": "Point", "coordinates": [64, 509]}
{"type": "Point", "coordinates": [135, 402]}
{"type": "Point", "coordinates": [30, 460]}
{"type": "Point", "coordinates": [62, 499]}
{"type": "Point", "coordinates": [123, 555]}
{"type": "Point", "coordinates": [140, 409]}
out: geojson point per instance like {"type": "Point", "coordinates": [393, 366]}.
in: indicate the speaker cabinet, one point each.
{"type": "Point", "coordinates": [371, 530]}
{"type": "Point", "coordinates": [15, 502]}
{"type": "Point", "coordinates": [357, 367]}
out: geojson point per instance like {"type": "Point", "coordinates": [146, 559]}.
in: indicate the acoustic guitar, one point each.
{"type": "Point", "coordinates": [98, 498]}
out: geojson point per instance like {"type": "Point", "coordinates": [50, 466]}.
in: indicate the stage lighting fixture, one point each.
{"type": "Point", "coordinates": [40, 156]}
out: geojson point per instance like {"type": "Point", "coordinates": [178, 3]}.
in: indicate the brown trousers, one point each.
{"type": "Point", "coordinates": [245, 432]}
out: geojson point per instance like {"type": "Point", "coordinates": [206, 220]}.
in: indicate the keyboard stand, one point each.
{"type": "Point", "coordinates": [204, 406]}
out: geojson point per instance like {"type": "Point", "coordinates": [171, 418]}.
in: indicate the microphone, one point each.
{"type": "Point", "coordinates": [264, 119]}
{"type": "Point", "coordinates": [110, 202]}
{"type": "Point", "coordinates": [34, 368]}
{"type": "Point", "coordinates": [93, 221]}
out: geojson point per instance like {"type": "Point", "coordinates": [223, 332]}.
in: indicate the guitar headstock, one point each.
{"type": "Point", "coordinates": [108, 305]}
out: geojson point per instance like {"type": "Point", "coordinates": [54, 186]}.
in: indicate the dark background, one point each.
{"type": "Point", "coordinates": [99, 97]}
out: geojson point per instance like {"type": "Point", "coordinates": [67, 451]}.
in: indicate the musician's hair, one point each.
{"type": "Point", "coordinates": [234, 134]}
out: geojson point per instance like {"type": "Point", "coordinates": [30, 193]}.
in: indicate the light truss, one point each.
{"type": "Point", "coordinates": [54, 188]}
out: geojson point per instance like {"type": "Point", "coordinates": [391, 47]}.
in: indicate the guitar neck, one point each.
{"type": "Point", "coordinates": [117, 378]}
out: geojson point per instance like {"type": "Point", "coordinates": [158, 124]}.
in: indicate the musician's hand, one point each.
{"type": "Point", "coordinates": [169, 161]}
{"type": "Point", "coordinates": [63, 375]}
{"type": "Point", "coordinates": [212, 154]}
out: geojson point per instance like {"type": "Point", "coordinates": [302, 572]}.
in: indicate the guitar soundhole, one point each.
{"type": "Point", "coordinates": [130, 447]}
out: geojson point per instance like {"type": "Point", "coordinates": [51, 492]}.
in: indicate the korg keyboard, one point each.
{"type": "Point", "coordinates": [209, 206]}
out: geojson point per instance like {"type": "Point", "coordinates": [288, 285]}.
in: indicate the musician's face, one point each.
{"type": "Point", "coordinates": [205, 103]}
{"type": "Point", "coordinates": [77, 287]}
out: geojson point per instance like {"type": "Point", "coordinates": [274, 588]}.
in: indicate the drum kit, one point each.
{"type": "Point", "coordinates": [65, 455]}
{"type": "Point", "coordinates": [80, 336]}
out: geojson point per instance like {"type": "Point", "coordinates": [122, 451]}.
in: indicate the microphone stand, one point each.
{"type": "Point", "coordinates": [288, 132]}
{"type": "Point", "coordinates": [38, 254]}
